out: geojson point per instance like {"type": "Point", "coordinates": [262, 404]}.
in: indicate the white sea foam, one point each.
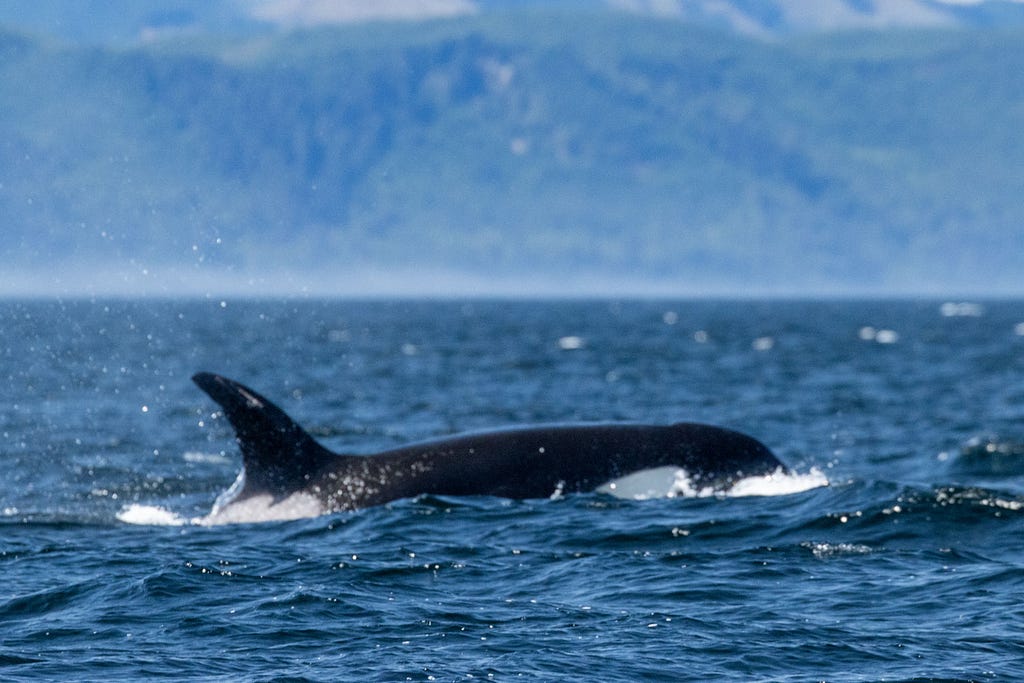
{"type": "Point", "coordinates": [824, 551]}
{"type": "Point", "coordinates": [869, 333]}
{"type": "Point", "coordinates": [571, 343]}
{"type": "Point", "coordinates": [778, 483]}
{"type": "Point", "coordinates": [964, 309]}
{"type": "Point", "coordinates": [150, 515]}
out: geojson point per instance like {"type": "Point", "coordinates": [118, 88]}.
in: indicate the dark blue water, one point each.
{"type": "Point", "coordinates": [908, 565]}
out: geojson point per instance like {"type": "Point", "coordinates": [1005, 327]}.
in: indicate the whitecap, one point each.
{"type": "Point", "coordinates": [778, 483]}
{"type": "Point", "coordinates": [571, 343]}
{"type": "Point", "coordinates": [1012, 505]}
{"type": "Point", "coordinates": [149, 515]}
{"type": "Point", "coordinates": [826, 550]}
{"type": "Point", "coordinates": [881, 336]}
{"type": "Point", "coordinates": [964, 309]}
{"type": "Point", "coordinates": [887, 337]}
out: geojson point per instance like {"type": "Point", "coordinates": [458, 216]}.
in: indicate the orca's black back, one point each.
{"type": "Point", "coordinates": [280, 458]}
{"type": "Point", "coordinates": [534, 462]}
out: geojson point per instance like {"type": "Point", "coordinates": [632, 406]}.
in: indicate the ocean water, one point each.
{"type": "Point", "coordinates": [896, 551]}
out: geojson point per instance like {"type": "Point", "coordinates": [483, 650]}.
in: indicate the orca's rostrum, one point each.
{"type": "Point", "coordinates": [281, 460]}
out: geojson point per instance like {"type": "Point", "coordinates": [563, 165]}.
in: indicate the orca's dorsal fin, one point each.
{"type": "Point", "coordinates": [279, 456]}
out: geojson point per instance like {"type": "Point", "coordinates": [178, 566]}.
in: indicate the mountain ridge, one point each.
{"type": "Point", "coordinates": [632, 150]}
{"type": "Point", "coordinates": [134, 22]}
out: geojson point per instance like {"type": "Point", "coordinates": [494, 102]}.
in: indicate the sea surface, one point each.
{"type": "Point", "coordinates": [894, 553]}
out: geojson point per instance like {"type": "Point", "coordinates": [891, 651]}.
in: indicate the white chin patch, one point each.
{"type": "Point", "coordinates": [674, 482]}
{"type": "Point", "coordinates": [659, 482]}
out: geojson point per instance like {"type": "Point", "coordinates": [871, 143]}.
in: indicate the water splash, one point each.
{"type": "Point", "coordinates": [778, 483]}
{"type": "Point", "coordinates": [824, 551]}
{"type": "Point", "coordinates": [150, 515]}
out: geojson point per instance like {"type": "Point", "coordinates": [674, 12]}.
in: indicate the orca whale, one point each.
{"type": "Point", "coordinates": [280, 459]}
